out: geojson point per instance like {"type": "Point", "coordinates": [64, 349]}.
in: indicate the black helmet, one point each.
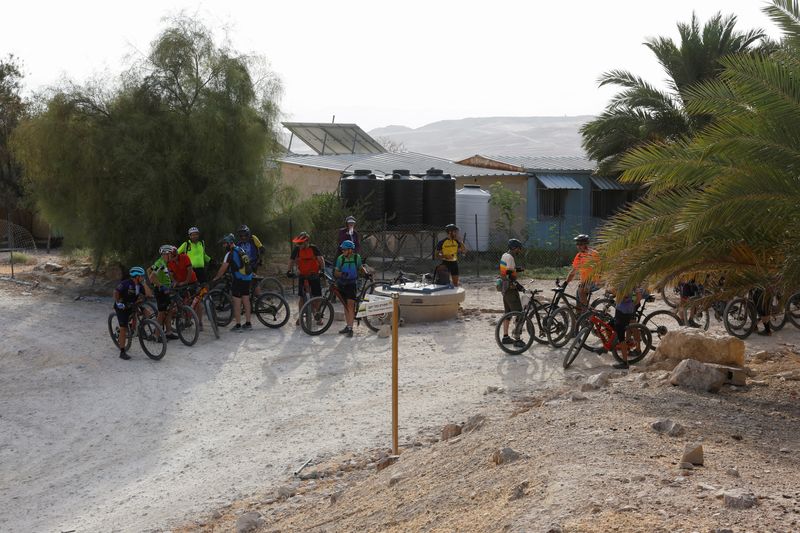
{"type": "Point", "coordinates": [582, 239]}
{"type": "Point", "coordinates": [243, 229]}
{"type": "Point", "coordinates": [514, 244]}
{"type": "Point", "coordinates": [451, 227]}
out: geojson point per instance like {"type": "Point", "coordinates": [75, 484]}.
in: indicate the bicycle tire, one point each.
{"type": "Point", "coordinates": [661, 322]}
{"type": "Point", "coordinates": [152, 307]}
{"type": "Point", "coordinates": [223, 307]}
{"type": "Point", "coordinates": [113, 331]}
{"type": "Point", "coordinates": [211, 314]}
{"type": "Point", "coordinates": [604, 305]}
{"type": "Point", "coordinates": [670, 297]}
{"type": "Point", "coordinates": [778, 316]}
{"type": "Point", "coordinates": [793, 309]}
{"type": "Point", "coordinates": [519, 319]}
{"type": "Point", "coordinates": [150, 330]}
{"type": "Point", "coordinates": [539, 330]}
{"type": "Point", "coordinates": [375, 322]}
{"type": "Point", "coordinates": [272, 285]}
{"type": "Point", "coordinates": [643, 345]}
{"type": "Point", "coordinates": [187, 324]}
{"type": "Point", "coordinates": [271, 309]}
{"type": "Point", "coordinates": [559, 325]}
{"type": "Point", "coordinates": [309, 317]}
{"type": "Point", "coordinates": [576, 346]}
{"type": "Point", "coordinates": [740, 318]}
{"type": "Point", "coordinates": [592, 343]}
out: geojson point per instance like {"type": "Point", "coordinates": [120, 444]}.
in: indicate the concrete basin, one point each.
{"type": "Point", "coordinates": [423, 302]}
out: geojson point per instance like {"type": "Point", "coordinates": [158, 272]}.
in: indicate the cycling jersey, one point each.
{"type": "Point", "coordinates": [585, 263]}
{"type": "Point", "coordinates": [233, 258]}
{"type": "Point", "coordinates": [179, 268]}
{"type": "Point", "coordinates": [196, 252]}
{"type": "Point", "coordinates": [508, 266]}
{"type": "Point", "coordinates": [307, 260]}
{"type": "Point", "coordinates": [348, 267]}
{"type": "Point", "coordinates": [161, 271]}
{"type": "Point", "coordinates": [129, 291]}
{"type": "Point", "coordinates": [252, 247]}
{"type": "Point", "coordinates": [449, 248]}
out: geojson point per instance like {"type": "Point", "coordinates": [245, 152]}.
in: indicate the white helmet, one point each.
{"type": "Point", "coordinates": [193, 229]}
{"type": "Point", "coordinates": [167, 249]}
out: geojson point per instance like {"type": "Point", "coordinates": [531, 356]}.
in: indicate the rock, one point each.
{"type": "Point", "coordinates": [598, 381]}
{"type": "Point", "coordinates": [286, 491]}
{"type": "Point", "coordinates": [628, 508]}
{"type": "Point", "coordinates": [665, 425]}
{"type": "Point", "coordinates": [697, 376]}
{"type": "Point", "coordinates": [336, 496]}
{"type": "Point", "coordinates": [504, 455]}
{"type": "Point", "coordinates": [518, 491]}
{"type": "Point", "coordinates": [385, 332]}
{"type": "Point", "coordinates": [450, 431]}
{"type": "Point", "coordinates": [706, 486]}
{"type": "Point", "coordinates": [386, 462]}
{"type": "Point", "coordinates": [216, 515]}
{"type": "Point", "coordinates": [791, 375]}
{"type": "Point", "coordinates": [686, 466]}
{"type": "Point", "coordinates": [249, 522]}
{"type": "Point", "coordinates": [721, 530]}
{"type": "Point", "coordinates": [739, 499]}
{"type": "Point", "coordinates": [576, 396]}
{"type": "Point", "coordinates": [785, 450]}
{"type": "Point", "coordinates": [689, 343]}
{"type": "Point", "coordinates": [554, 528]}
{"type": "Point", "coordinates": [53, 267]}
{"type": "Point", "coordinates": [395, 479]}
{"type": "Point", "coordinates": [732, 472]}
{"type": "Point", "coordinates": [587, 387]}
{"type": "Point", "coordinates": [309, 474]}
{"type": "Point", "coordinates": [763, 355]}
{"type": "Point", "coordinates": [473, 423]}
{"type": "Point", "coordinates": [693, 453]}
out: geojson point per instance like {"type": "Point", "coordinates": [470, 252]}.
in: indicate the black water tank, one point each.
{"type": "Point", "coordinates": [403, 200]}
{"type": "Point", "coordinates": [438, 199]}
{"type": "Point", "coordinates": [365, 188]}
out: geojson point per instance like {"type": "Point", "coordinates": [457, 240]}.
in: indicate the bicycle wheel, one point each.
{"type": "Point", "coordinates": [659, 323]}
{"type": "Point", "coordinates": [113, 330]}
{"type": "Point", "coordinates": [152, 339]}
{"type": "Point", "coordinates": [223, 308]}
{"type": "Point", "coordinates": [560, 324]}
{"type": "Point", "coordinates": [604, 305]}
{"type": "Point", "coordinates": [740, 318]}
{"type": "Point", "coordinates": [187, 325]}
{"type": "Point", "coordinates": [593, 342]}
{"type": "Point", "coordinates": [521, 332]}
{"type": "Point", "coordinates": [271, 310]}
{"type": "Point", "coordinates": [539, 329]}
{"type": "Point", "coordinates": [576, 346]}
{"type": "Point", "coordinates": [211, 314]}
{"type": "Point", "coordinates": [777, 315]}
{"type": "Point", "coordinates": [152, 309]}
{"type": "Point", "coordinates": [639, 343]}
{"type": "Point", "coordinates": [272, 285]}
{"type": "Point", "coordinates": [671, 295]}
{"type": "Point", "coordinates": [793, 309]}
{"type": "Point", "coordinates": [316, 316]}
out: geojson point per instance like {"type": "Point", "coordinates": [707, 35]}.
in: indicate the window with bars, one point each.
{"type": "Point", "coordinates": [606, 203]}
{"type": "Point", "coordinates": [551, 202]}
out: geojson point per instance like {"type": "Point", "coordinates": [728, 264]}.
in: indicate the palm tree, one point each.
{"type": "Point", "coordinates": [643, 113]}
{"type": "Point", "coordinates": [726, 201]}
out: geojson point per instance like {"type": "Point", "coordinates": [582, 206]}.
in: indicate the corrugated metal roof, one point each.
{"type": "Point", "coordinates": [608, 184]}
{"type": "Point", "coordinates": [386, 163]}
{"type": "Point", "coordinates": [558, 182]}
{"type": "Point", "coordinates": [331, 138]}
{"type": "Point", "coordinates": [545, 163]}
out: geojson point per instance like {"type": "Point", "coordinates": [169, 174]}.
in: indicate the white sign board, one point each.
{"type": "Point", "coordinates": [375, 305]}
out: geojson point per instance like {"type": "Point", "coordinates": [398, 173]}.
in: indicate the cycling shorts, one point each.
{"type": "Point", "coordinates": [314, 286]}
{"type": "Point", "coordinates": [240, 287]}
{"type": "Point", "coordinates": [621, 323]}
{"type": "Point", "coordinates": [511, 301]}
{"type": "Point", "coordinates": [348, 291]}
{"type": "Point", "coordinates": [123, 316]}
{"type": "Point", "coordinates": [452, 267]}
{"type": "Point", "coordinates": [162, 300]}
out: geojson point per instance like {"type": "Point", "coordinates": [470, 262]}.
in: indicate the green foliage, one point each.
{"type": "Point", "coordinates": [506, 201]}
{"type": "Point", "coordinates": [641, 113]}
{"type": "Point", "coordinates": [12, 110]}
{"type": "Point", "coordinates": [182, 141]}
{"type": "Point", "coordinates": [20, 259]}
{"type": "Point", "coordinates": [725, 202]}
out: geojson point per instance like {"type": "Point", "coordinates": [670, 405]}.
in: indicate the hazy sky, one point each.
{"type": "Point", "coordinates": [378, 63]}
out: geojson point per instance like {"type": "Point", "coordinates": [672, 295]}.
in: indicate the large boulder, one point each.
{"type": "Point", "coordinates": [690, 343]}
{"type": "Point", "coordinates": [698, 376]}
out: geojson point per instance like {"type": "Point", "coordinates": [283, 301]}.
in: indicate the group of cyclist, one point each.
{"type": "Point", "coordinates": [182, 271]}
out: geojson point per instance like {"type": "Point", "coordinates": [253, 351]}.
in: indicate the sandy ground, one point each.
{"type": "Point", "coordinates": [92, 443]}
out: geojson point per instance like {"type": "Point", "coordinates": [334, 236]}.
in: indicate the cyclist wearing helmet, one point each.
{"type": "Point", "coordinates": [349, 233]}
{"type": "Point", "coordinates": [348, 266]}
{"type": "Point", "coordinates": [253, 248]}
{"type": "Point", "coordinates": [448, 249]}
{"type": "Point", "coordinates": [584, 264]}
{"type": "Point", "coordinates": [196, 250]}
{"type": "Point", "coordinates": [310, 264]}
{"type": "Point", "coordinates": [242, 278]}
{"type": "Point", "coordinates": [510, 287]}
{"type": "Point", "coordinates": [161, 279]}
{"type": "Point", "coordinates": [128, 293]}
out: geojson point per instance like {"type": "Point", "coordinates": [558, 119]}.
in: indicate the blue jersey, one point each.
{"type": "Point", "coordinates": [349, 267]}
{"type": "Point", "coordinates": [250, 249]}
{"type": "Point", "coordinates": [129, 291]}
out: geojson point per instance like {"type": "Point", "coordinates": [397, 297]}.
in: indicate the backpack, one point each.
{"type": "Point", "coordinates": [245, 267]}
{"type": "Point", "coordinates": [251, 251]}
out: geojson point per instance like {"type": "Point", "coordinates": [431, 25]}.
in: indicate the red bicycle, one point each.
{"type": "Point", "coordinates": [637, 337]}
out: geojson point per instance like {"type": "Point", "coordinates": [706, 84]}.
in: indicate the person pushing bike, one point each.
{"type": "Point", "coordinates": [348, 266]}
{"type": "Point", "coordinates": [162, 282]}
{"type": "Point", "coordinates": [238, 262]}
{"type": "Point", "coordinates": [310, 265]}
{"type": "Point", "coordinates": [129, 292]}
{"type": "Point", "coordinates": [510, 287]}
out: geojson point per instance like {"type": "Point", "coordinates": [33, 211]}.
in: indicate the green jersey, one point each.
{"type": "Point", "coordinates": [161, 271]}
{"type": "Point", "coordinates": [196, 252]}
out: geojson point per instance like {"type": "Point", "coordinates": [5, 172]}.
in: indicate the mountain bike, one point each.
{"type": "Point", "coordinates": [563, 312]}
{"type": "Point", "coordinates": [151, 335]}
{"type": "Point", "coordinates": [527, 325]}
{"type": "Point", "coordinates": [184, 317]}
{"type": "Point", "coordinates": [270, 308]}
{"type": "Point", "coordinates": [741, 316]}
{"type": "Point", "coordinates": [599, 324]}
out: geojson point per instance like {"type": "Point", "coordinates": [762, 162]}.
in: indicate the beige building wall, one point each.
{"type": "Point", "coordinates": [515, 183]}
{"type": "Point", "coordinates": [309, 180]}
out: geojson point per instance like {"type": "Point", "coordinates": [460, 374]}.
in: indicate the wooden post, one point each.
{"type": "Point", "coordinates": [395, 325]}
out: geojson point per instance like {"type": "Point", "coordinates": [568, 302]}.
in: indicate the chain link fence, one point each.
{"type": "Point", "coordinates": [16, 246]}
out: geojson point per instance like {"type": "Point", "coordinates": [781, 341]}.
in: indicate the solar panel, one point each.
{"type": "Point", "coordinates": [335, 139]}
